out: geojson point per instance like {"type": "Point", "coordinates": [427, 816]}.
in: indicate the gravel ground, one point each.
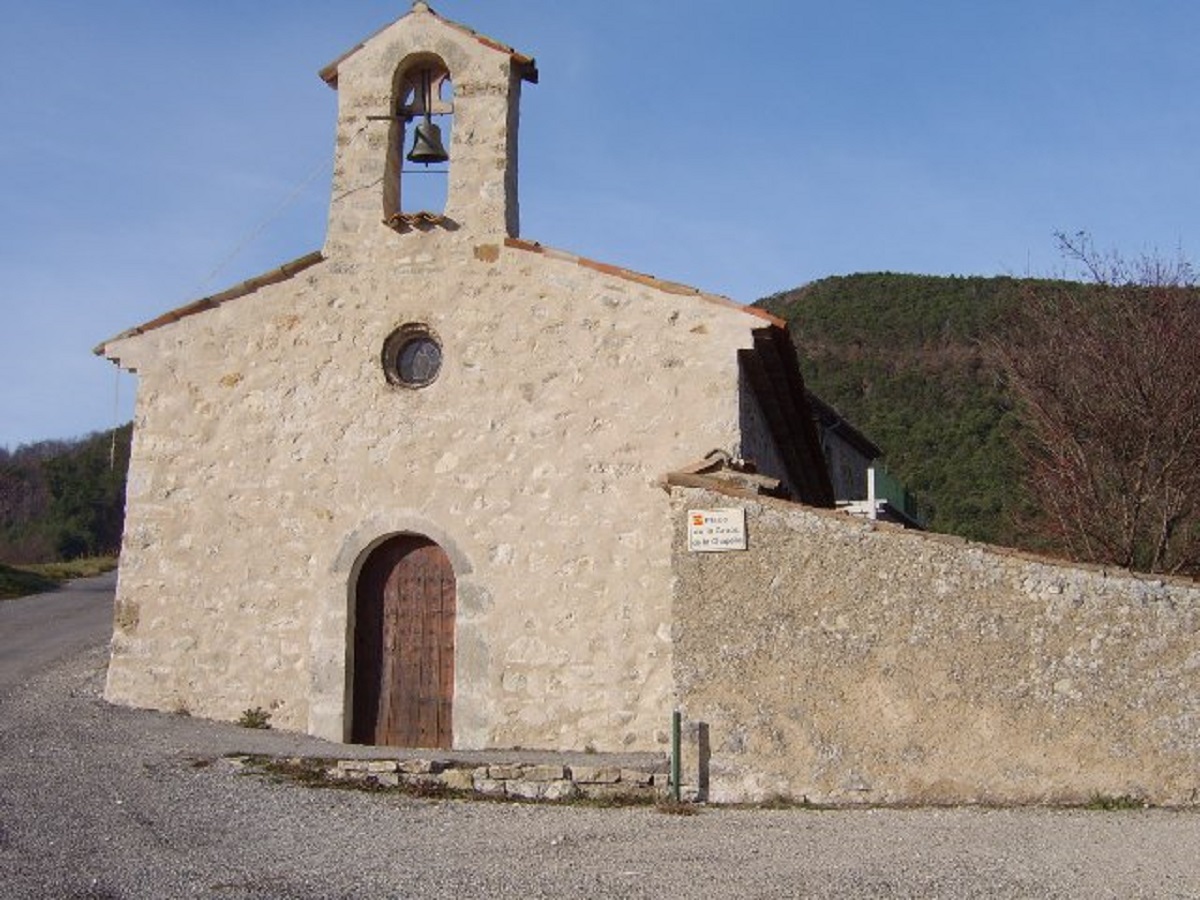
{"type": "Point", "coordinates": [104, 802]}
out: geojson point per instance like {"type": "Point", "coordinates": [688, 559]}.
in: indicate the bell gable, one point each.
{"type": "Point", "coordinates": [421, 104]}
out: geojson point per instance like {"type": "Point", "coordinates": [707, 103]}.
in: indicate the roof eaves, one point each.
{"type": "Point", "coordinates": [283, 273]}
{"type": "Point", "coordinates": [772, 371]}
{"type": "Point", "coordinates": [833, 419]}
{"type": "Point", "coordinates": [659, 284]}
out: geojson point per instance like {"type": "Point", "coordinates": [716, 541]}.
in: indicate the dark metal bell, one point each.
{"type": "Point", "coordinates": [427, 144]}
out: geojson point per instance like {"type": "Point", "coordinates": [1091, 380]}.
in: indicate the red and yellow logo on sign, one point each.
{"type": "Point", "coordinates": [697, 519]}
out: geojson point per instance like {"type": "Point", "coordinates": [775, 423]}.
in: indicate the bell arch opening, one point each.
{"type": "Point", "coordinates": [416, 178]}
{"type": "Point", "coordinates": [402, 646]}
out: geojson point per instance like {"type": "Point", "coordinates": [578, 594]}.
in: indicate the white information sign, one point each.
{"type": "Point", "coordinates": [716, 530]}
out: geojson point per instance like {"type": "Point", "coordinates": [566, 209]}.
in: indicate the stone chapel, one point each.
{"type": "Point", "coordinates": [409, 489]}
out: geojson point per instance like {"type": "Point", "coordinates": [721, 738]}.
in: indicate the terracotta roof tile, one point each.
{"type": "Point", "coordinates": [283, 273]}
{"type": "Point", "coordinates": [525, 64]}
{"type": "Point", "coordinates": [421, 219]}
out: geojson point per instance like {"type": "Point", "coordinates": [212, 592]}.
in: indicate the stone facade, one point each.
{"type": "Point", "coordinates": [848, 662]}
{"type": "Point", "coordinates": [272, 454]}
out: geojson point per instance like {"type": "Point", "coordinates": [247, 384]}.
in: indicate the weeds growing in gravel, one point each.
{"type": "Point", "coordinates": [677, 808]}
{"type": "Point", "coordinates": [255, 718]}
{"type": "Point", "coordinates": [1108, 803]}
{"type": "Point", "coordinates": [779, 801]}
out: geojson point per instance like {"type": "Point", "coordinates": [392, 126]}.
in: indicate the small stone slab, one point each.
{"type": "Point", "coordinates": [561, 790]}
{"type": "Point", "coordinates": [490, 787]}
{"type": "Point", "coordinates": [526, 790]}
{"type": "Point", "coordinates": [505, 773]}
{"type": "Point", "coordinates": [595, 774]}
{"type": "Point", "coordinates": [614, 791]}
{"type": "Point", "coordinates": [458, 779]}
{"type": "Point", "coordinates": [544, 773]}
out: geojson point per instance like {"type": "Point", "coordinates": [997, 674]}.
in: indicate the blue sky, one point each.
{"type": "Point", "coordinates": [155, 151]}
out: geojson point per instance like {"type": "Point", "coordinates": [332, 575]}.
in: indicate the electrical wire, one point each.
{"type": "Point", "coordinates": [253, 235]}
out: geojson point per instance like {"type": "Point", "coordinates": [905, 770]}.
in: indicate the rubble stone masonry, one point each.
{"type": "Point", "coordinates": [855, 663]}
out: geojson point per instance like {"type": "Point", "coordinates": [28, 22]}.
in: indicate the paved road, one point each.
{"type": "Point", "coordinates": [38, 631]}
{"type": "Point", "coordinates": [103, 802]}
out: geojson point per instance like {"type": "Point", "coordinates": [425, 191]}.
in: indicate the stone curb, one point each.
{"type": "Point", "coordinates": [516, 780]}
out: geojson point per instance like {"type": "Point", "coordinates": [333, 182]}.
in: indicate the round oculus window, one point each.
{"type": "Point", "coordinates": [412, 356]}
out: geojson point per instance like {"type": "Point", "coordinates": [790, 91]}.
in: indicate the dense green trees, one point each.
{"type": "Point", "coordinates": [63, 499]}
{"type": "Point", "coordinates": [1055, 416]}
{"type": "Point", "coordinates": [900, 356]}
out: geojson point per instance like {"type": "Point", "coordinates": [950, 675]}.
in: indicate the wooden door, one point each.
{"type": "Point", "coordinates": [404, 646]}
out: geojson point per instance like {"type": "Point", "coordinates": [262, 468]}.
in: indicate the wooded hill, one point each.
{"type": "Point", "coordinates": [63, 499]}
{"type": "Point", "coordinates": [901, 357]}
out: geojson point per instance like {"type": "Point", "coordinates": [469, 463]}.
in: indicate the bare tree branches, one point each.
{"type": "Point", "coordinates": [1107, 379]}
{"type": "Point", "coordinates": [1112, 269]}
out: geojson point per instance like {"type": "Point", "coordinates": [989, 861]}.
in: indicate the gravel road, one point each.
{"type": "Point", "coordinates": [104, 802]}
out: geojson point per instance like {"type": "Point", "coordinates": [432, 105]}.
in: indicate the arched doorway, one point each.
{"type": "Point", "coordinates": [404, 646]}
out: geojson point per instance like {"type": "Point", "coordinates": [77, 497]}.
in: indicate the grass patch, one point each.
{"type": "Point", "coordinates": [314, 773]}
{"type": "Point", "coordinates": [309, 772]}
{"type": "Point", "coordinates": [86, 567]}
{"type": "Point", "coordinates": [22, 581]}
{"type": "Point", "coordinates": [1107, 803]}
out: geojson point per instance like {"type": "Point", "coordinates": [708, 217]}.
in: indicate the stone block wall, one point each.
{"type": "Point", "coordinates": [848, 662]}
{"type": "Point", "coordinates": [515, 781]}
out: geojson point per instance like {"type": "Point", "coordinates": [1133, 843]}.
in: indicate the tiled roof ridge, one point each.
{"type": "Point", "coordinates": [274, 276]}
{"type": "Point", "coordinates": [527, 64]}
{"type": "Point", "coordinates": [669, 287]}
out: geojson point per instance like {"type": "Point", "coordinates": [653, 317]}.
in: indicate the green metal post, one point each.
{"type": "Point", "coordinates": [675, 764]}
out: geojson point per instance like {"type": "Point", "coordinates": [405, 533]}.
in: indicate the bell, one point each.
{"type": "Point", "coordinates": [427, 144]}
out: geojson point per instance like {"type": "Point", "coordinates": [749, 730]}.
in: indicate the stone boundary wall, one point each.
{"type": "Point", "coordinates": [848, 662]}
{"type": "Point", "coordinates": [542, 781]}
